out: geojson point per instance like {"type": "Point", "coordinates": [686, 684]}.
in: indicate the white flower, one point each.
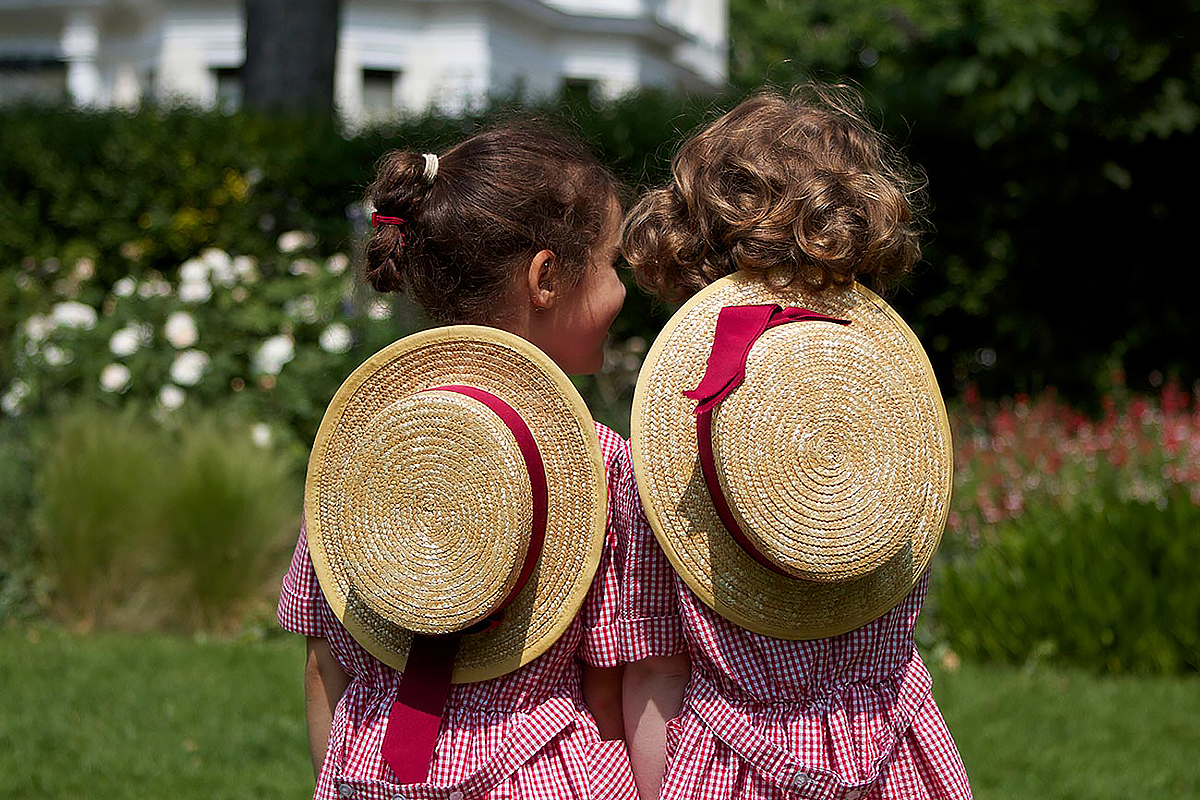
{"type": "Point", "coordinates": [171, 396]}
{"type": "Point", "coordinates": [193, 271]}
{"type": "Point", "coordinates": [216, 258]}
{"type": "Point", "coordinates": [38, 327]}
{"type": "Point", "coordinates": [337, 263]}
{"type": "Point", "coordinates": [12, 398]}
{"type": "Point", "coordinates": [195, 291]}
{"type": "Point", "coordinates": [180, 330]}
{"type": "Point", "coordinates": [125, 286]}
{"type": "Point", "coordinates": [56, 357]}
{"type": "Point", "coordinates": [126, 341]}
{"type": "Point", "coordinates": [303, 308]}
{"type": "Point", "coordinates": [85, 268]}
{"type": "Point", "coordinates": [246, 269]}
{"type": "Point", "coordinates": [154, 287]}
{"type": "Point", "coordinates": [115, 378]}
{"type": "Point", "coordinates": [303, 266]}
{"type": "Point", "coordinates": [273, 353]}
{"type": "Point", "coordinates": [221, 265]}
{"type": "Point", "coordinates": [292, 241]}
{"type": "Point", "coordinates": [224, 276]}
{"type": "Point", "coordinates": [188, 367]}
{"type": "Point", "coordinates": [260, 434]}
{"type": "Point", "coordinates": [72, 314]}
{"type": "Point", "coordinates": [336, 338]}
{"type": "Point", "coordinates": [379, 309]}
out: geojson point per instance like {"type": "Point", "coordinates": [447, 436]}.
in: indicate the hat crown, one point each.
{"type": "Point", "coordinates": [441, 521]}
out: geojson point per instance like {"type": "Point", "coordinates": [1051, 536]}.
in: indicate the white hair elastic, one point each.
{"type": "Point", "coordinates": [431, 166]}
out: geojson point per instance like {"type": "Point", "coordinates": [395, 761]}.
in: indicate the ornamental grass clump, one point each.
{"type": "Point", "coordinates": [146, 524]}
{"type": "Point", "coordinates": [1073, 538]}
{"type": "Point", "coordinates": [230, 511]}
{"type": "Point", "coordinates": [96, 503]}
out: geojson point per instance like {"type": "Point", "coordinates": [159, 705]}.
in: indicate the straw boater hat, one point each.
{"type": "Point", "coordinates": [438, 465]}
{"type": "Point", "coordinates": [801, 485]}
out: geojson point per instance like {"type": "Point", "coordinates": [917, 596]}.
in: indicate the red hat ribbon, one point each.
{"type": "Point", "coordinates": [738, 328]}
{"type": "Point", "coordinates": [416, 715]}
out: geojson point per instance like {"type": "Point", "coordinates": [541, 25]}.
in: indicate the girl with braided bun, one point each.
{"type": "Point", "coordinates": [514, 228]}
{"type": "Point", "coordinates": [792, 454]}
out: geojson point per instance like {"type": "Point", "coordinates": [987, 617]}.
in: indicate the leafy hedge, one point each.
{"type": "Point", "coordinates": [1059, 253]}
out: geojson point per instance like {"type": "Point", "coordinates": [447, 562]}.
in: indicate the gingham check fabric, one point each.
{"type": "Point", "coordinates": [522, 735]}
{"type": "Point", "coordinates": [842, 718]}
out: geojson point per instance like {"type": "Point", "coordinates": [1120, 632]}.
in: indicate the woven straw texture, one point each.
{"type": "Point", "coordinates": [834, 456]}
{"type": "Point", "coordinates": [418, 503]}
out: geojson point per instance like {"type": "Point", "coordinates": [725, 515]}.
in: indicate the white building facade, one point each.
{"type": "Point", "coordinates": [393, 55]}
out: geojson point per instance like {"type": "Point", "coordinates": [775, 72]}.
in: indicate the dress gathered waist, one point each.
{"type": "Point", "coordinates": [856, 725]}
{"type": "Point", "coordinates": [511, 741]}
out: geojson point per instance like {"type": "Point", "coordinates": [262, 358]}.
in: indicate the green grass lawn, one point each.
{"type": "Point", "coordinates": [114, 717]}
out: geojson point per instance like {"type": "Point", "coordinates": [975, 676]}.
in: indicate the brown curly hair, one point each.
{"type": "Point", "coordinates": [797, 189]}
{"type": "Point", "coordinates": [497, 199]}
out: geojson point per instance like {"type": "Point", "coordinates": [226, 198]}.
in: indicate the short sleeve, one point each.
{"type": "Point", "coordinates": [301, 602]}
{"type": "Point", "coordinates": [600, 644]}
{"type": "Point", "coordinates": [643, 619]}
{"type": "Point", "coordinates": [648, 614]}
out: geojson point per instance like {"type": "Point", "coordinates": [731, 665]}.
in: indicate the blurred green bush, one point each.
{"type": "Point", "coordinates": [1113, 590]}
{"type": "Point", "coordinates": [1039, 209]}
{"type": "Point", "coordinates": [147, 524]}
{"type": "Point", "coordinates": [98, 480]}
{"type": "Point", "coordinates": [21, 584]}
{"type": "Point", "coordinates": [259, 218]}
{"type": "Point", "coordinates": [229, 517]}
{"type": "Point", "coordinates": [1073, 538]}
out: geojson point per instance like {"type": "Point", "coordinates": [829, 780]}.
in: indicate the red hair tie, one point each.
{"type": "Point", "coordinates": [378, 219]}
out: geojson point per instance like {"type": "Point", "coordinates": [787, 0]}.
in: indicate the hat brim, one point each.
{"type": "Point", "coordinates": [680, 510]}
{"type": "Point", "coordinates": [528, 380]}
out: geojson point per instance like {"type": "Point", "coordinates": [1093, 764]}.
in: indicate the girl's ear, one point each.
{"type": "Point", "coordinates": [542, 281]}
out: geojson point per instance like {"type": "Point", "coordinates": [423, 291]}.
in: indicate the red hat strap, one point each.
{"type": "Point", "coordinates": [738, 328]}
{"type": "Point", "coordinates": [416, 714]}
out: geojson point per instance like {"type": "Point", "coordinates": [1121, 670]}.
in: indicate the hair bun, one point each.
{"type": "Point", "coordinates": [399, 193]}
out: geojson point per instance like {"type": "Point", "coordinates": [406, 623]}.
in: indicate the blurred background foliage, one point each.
{"type": "Point", "coordinates": [171, 266]}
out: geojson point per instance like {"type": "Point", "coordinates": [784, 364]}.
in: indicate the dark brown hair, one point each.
{"type": "Point", "coordinates": [796, 190]}
{"type": "Point", "coordinates": [498, 198]}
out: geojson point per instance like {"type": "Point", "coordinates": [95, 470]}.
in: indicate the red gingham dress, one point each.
{"type": "Point", "coordinates": [525, 735]}
{"type": "Point", "coordinates": [843, 718]}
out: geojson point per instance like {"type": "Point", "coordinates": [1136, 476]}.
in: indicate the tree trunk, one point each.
{"type": "Point", "coordinates": [291, 49]}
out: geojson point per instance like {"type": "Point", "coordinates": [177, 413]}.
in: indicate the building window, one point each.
{"type": "Point", "coordinates": [42, 79]}
{"type": "Point", "coordinates": [580, 91]}
{"type": "Point", "coordinates": [229, 87]}
{"type": "Point", "coordinates": [379, 90]}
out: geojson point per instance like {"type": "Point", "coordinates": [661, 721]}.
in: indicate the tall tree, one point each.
{"type": "Point", "coordinates": [291, 48]}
